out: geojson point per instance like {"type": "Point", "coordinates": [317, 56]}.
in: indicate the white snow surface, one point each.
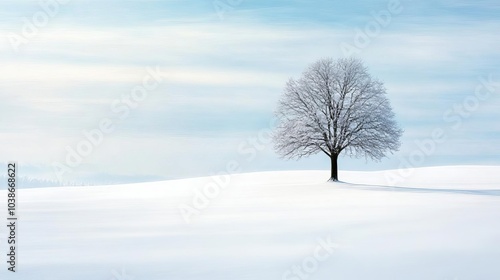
{"type": "Point", "coordinates": [436, 223]}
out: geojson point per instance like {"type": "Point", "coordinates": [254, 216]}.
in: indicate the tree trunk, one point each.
{"type": "Point", "coordinates": [334, 168]}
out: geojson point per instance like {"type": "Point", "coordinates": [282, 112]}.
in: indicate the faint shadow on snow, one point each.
{"type": "Point", "coordinates": [417, 190]}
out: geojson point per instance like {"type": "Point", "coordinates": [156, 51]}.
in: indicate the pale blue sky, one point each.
{"type": "Point", "coordinates": [223, 76]}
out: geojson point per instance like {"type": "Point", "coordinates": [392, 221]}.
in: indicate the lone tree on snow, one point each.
{"type": "Point", "coordinates": [335, 107]}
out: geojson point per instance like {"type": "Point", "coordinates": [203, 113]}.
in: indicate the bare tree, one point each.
{"type": "Point", "coordinates": [335, 107]}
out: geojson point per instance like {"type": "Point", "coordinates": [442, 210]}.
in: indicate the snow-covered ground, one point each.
{"type": "Point", "coordinates": [438, 223]}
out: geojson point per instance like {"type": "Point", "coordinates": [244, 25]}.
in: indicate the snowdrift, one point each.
{"type": "Point", "coordinates": [429, 223]}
